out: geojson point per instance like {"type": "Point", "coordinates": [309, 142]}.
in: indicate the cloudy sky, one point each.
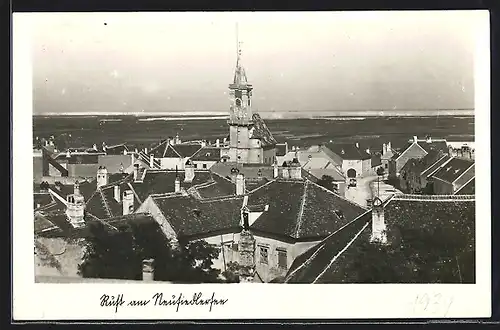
{"type": "Point", "coordinates": [133, 62]}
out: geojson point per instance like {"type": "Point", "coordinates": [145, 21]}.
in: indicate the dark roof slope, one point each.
{"type": "Point", "coordinates": [250, 171]}
{"type": "Point", "coordinates": [262, 132]}
{"type": "Point", "coordinates": [207, 154]}
{"type": "Point", "coordinates": [191, 217]}
{"type": "Point", "coordinates": [187, 150]}
{"type": "Point", "coordinates": [301, 209]}
{"type": "Point", "coordinates": [434, 145]}
{"type": "Point", "coordinates": [453, 169]}
{"type": "Point", "coordinates": [280, 149]}
{"type": "Point", "coordinates": [434, 167]}
{"type": "Point", "coordinates": [328, 261]}
{"type": "Point", "coordinates": [348, 151]}
{"type": "Point", "coordinates": [468, 189]}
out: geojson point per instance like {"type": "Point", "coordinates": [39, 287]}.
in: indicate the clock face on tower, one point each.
{"type": "Point", "coordinates": [238, 102]}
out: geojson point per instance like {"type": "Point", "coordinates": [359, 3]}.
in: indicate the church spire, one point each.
{"type": "Point", "coordinates": [240, 77]}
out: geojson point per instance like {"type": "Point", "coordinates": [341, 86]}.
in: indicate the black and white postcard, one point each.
{"type": "Point", "coordinates": [229, 165]}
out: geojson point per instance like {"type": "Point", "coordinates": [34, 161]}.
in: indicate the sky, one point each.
{"type": "Point", "coordinates": [161, 62]}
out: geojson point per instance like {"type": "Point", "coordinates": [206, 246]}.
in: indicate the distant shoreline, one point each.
{"type": "Point", "coordinates": [274, 115]}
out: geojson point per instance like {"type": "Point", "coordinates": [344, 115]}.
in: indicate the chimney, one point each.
{"type": "Point", "coordinates": [286, 147]}
{"type": "Point", "coordinates": [95, 147]}
{"type": "Point", "coordinates": [68, 154]}
{"type": "Point", "coordinates": [151, 160]}
{"type": "Point", "coordinates": [357, 145]}
{"type": "Point", "coordinates": [102, 176]}
{"type": "Point", "coordinates": [275, 170]}
{"type": "Point", "coordinates": [75, 208]}
{"type": "Point", "coordinates": [188, 171]}
{"type": "Point", "coordinates": [428, 139]}
{"type": "Point", "coordinates": [415, 138]}
{"type": "Point", "coordinates": [76, 188]}
{"type": "Point", "coordinates": [295, 169]}
{"type": "Point", "coordinates": [136, 173]}
{"type": "Point", "coordinates": [128, 202]}
{"type": "Point", "coordinates": [125, 152]}
{"type": "Point", "coordinates": [240, 184]}
{"type": "Point", "coordinates": [117, 194]}
{"type": "Point", "coordinates": [146, 151]}
{"type": "Point", "coordinates": [132, 158]}
{"type": "Point", "coordinates": [203, 143]}
{"type": "Point", "coordinates": [384, 149]}
{"type": "Point", "coordinates": [368, 151]}
{"type": "Point", "coordinates": [217, 143]}
{"type": "Point", "coordinates": [224, 141]}
{"type": "Point", "coordinates": [177, 139]}
{"type": "Point", "coordinates": [389, 148]}
{"type": "Point", "coordinates": [177, 185]}
{"type": "Point", "coordinates": [378, 222]}
{"type": "Point", "coordinates": [148, 270]}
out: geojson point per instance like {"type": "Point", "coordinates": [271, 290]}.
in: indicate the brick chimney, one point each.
{"type": "Point", "coordinates": [378, 222]}
{"type": "Point", "coordinates": [102, 176]}
{"type": "Point", "coordinates": [189, 171]}
{"type": "Point", "coordinates": [148, 270]}
{"type": "Point", "coordinates": [116, 193]}
{"type": "Point", "coordinates": [128, 202]}
{"type": "Point", "coordinates": [240, 184]}
{"type": "Point", "coordinates": [177, 185]}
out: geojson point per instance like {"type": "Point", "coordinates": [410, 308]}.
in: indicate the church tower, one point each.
{"type": "Point", "coordinates": [240, 114]}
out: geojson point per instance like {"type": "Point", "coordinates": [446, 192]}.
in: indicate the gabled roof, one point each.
{"type": "Point", "coordinates": [418, 165]}
{"type": "Point", "coordinates": [207, 154]}
{"type": "Point", "coordinates": [326, 262]}
{"type": "Point", "coordinates": [348, 151]}
{"type": "Point", "coordinates": [438, 145]}
{"type": "Point", "coordinates": [103, 205]}
{"type": "Point", "coordinates": [262, 132]}
{"type": "Point", "coordinates": [468, 188]}
{"type": "Point", "coordinates": [301, 209]}
{"type": "Point", "coordinates": [167, 150]}
{"type": "Point", "coordinates": [434, 167]}
{"type": "Point", "coordinates": [117, 149]}
{"type": "Point", "coordinates": [452, 170]}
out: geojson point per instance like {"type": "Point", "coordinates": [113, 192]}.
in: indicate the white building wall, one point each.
{"type": "Point", "coordinates": [171, 163]}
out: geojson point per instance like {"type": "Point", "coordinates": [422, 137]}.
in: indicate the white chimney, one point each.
{"type": "Point", "coordinates": [188, 171]}
{"type": "Point", "coordinates": [136, 173]}
{"type": "Point", "coordinates": [429, 139]}
{"type": "Point", "coordinates": [368, 151]}
{"type": "Point", "coordinates": [224, 141]}
{"type": "Point", "coordinates": [102, 176]}
{"type": "Point", "coordinates": [275, 170]}
{"type": "Point", "coordinates": [286, 147]}
{"type": "Point", "coordinates": [125, 152]}
{"type": "Point", "coordinates": [132, 158]}
{"type": "Point", "coordinates": [389, 148]}
{"type": "Point", "coordinates": [203, 143]}
{"type": "Point", "coordinates": [415, 138]}
{"type": "Point", "coordinates": [240, 184]}
{"type": "Point", "coordinates": [177, 185]}
{"type": "Point", "coordinates": [128, 202]}
{"type": "Point", "coordinates": [217, 143]}
{"type": "Point", "coordinates": [378, 222]}
{"type": "Point", "coordinates": [117, 194]}
{"type": "Point", "coordinates": [148, 270]}
{"type": "Point", "coordinates": [151, 160]}
{"type": "Point", "coordinates": [68, 154]}
{"type": "Point", "coordinates": [145, 150]}
{"type": "Point", "coordinates": [95, 147]}
{"type": "Point", "coordinates": [357, 145]}
{"type": "Point", "coordinates": [384, 149]}
{"type": "Point", "coordinates": [266, 208]}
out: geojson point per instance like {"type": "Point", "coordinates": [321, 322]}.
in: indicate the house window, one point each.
{"type": "Point", "coordinates": [282, 262]}
{"type": "Point", "coordinates": [264, 255]}
{"type": "Point", "coordinates": [196, 165]}
{"type": "Point", "coordinates": [204, 165]}
{"type": "Point", "coordinates": [385, 165]}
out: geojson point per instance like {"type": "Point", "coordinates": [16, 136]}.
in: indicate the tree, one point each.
{"type": "Point", "coordinates": [326, 181]}
{"type": "Point", "coordinates": [119, 254]}
{"type": "Point", "coordinates": [380, 171]}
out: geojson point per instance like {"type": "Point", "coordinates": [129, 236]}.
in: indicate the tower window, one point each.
{"type": "Point", "coordinates": [238, 102]}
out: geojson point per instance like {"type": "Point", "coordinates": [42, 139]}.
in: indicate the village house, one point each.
{"type": "Point", "coordinates": [340, 258]}
{"type": "Point", "coordinates": [353, 161]}
{"type": "Point", "coordinates": [283, 217]}
{"type": "Point", "coordinates": [171, 155]}
{"type": "Point", "coordinates": [415, 149]}
{"type": "Point", "coordinates": [206, 157]}
{"type": "Point", "coordinates": [386, 155]}
{"type": "Point", "coordinates": [411, 180]}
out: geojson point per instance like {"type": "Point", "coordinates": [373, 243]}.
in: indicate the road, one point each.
{"type": "Point", "coordinates": [367, 188]}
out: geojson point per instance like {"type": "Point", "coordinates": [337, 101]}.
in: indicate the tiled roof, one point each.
{"type": "Point", "coordinates": [434, 167]}
{"type": "Point", "coordinates": [103, 205]}
{"type": "Point", "coordinates": [116, 149]}
{"type": "Point", "coordinates": [324, 263]}
{"type": "Point", "coordinates": [468, 189]}
{"type": "Point", "coordinates": [333, 172]}
{"type": "Point", "coordinates": [219, 187]}
{"type": "Point", "coordinates": [42, 224]}
{"type": "Point", "coordinates": [43, 199]}
{"type": "Point", "coordinates": [301, 209]}
{"type": "Point", "coordinates": [191, 217]}
{"type": "Point", "coordinates": [376, 160]}
{"type": "Point", "coordinates": [207, 154]}
{"type": "Point", "coordinates": [250, 171]}
{"type": "Point", "coordinates": [348, 151]}
{"type": "Point", "coordinates": [419, 165]}
{"type": "Point", "coordinates": [280, 149]}
{"type": "Point", "coordinates": [261, 132]}
{"type": "Point", "coordinates": [434, 145]}
{"type": "Point", "coordinates": [187, 150]}
{"type": "Point", "coordinates": [453, 169]}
